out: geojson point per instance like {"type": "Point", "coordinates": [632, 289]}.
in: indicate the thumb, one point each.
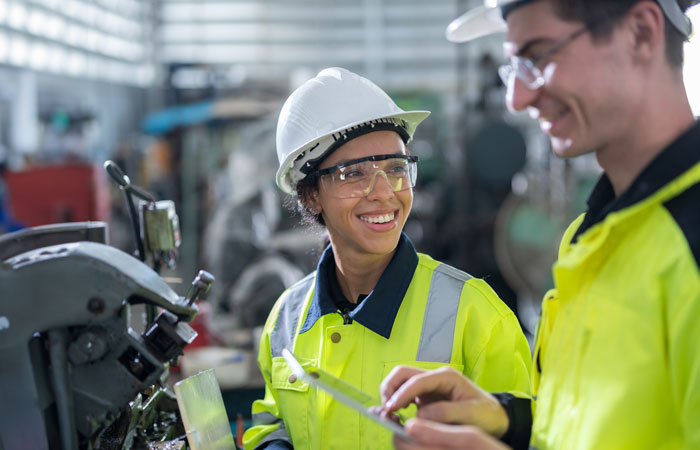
{"type": "Point", "coordinates": [463, 437]}
{"type": "Point", "coordinates": [487, 414]}
{"type": "Point", "coordinates": [448, 412]}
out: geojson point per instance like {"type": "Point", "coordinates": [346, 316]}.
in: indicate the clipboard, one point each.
{"type": "Point", "coordinates": [345, 393]}
{"type": "Point", "coordinates": [203, 412]}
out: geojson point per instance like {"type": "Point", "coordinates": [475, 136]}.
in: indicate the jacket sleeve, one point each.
{"type": "Point", "coordinates": [502, 364]}
{"type": "Point", "coordinates": [683, 310]}
{"type": "Point", "coordinates": [502, 360]}
{"type": "Point", "coordinates": [268, 430]}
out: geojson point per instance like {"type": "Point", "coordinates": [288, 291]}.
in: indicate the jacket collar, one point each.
{"type": "Point", "coordinates": [679, 156]}
{"type": "Point", "coordinates": [378, 310]}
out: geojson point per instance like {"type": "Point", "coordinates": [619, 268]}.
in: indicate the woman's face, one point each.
{"type": "Point", "coordinates": [369, 225]}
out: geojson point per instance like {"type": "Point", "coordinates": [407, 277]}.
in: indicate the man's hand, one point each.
{"type": "Point", "coordinates": [443, 395]}
{"type": "Point", "coordinates": [436, 436]}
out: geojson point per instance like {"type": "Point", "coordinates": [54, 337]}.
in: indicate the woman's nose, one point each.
{"type": "Point", "coordinates": [379, 186]}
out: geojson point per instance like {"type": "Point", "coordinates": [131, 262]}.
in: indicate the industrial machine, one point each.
{"type": "Point", "coordinates": [74, 374]}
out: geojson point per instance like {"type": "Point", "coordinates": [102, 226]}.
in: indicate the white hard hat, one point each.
{"type": "Point", "coordinates": [480, 21]}
{"type": "Point", "coordinates": [489, 19]}
{"type": "Point", "coordinates": [326, 112]}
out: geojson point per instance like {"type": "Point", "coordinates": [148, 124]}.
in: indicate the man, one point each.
{"type": "Point", "coordinates": [616, 363]}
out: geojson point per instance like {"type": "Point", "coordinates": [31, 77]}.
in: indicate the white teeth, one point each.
{"type": "Point", "coordinates": [533, 113]}
{"type": "Point", "coordinates": [550, 119]}
{"type": "Point", "coordinates": [379, 219]}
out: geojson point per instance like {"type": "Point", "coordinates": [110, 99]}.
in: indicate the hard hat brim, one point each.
{"type": "Point", "coordinates": [413, 118]}
{"type": "Point", "coordinates": [475, 23]}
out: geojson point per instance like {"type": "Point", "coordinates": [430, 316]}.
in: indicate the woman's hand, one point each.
{"type": "Point", "coordinates": [443, 395]}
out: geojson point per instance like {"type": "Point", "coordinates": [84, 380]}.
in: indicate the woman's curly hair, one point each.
{"type": "Point", "coordinates": [307, 189]}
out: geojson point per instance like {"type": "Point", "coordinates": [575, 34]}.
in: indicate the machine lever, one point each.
{"type": "Point", "coordinates": [200, 285]}
{"type": "Point", "coordinates": [123, 180]}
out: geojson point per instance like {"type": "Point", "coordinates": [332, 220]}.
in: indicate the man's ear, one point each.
{"type": "Point", "coordinates": [646, 25]}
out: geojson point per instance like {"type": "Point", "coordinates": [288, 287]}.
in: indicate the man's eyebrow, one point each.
{"type": "Point", "coordinates": [529, 44]}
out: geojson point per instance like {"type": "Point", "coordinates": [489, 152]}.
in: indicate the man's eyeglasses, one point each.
{"type": "Point", "coordinates": [527, 70]}
{"type": "Point", "coordinates": [357, 178]}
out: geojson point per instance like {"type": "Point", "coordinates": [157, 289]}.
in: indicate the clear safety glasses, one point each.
{"type": "Point", "coordinates": [526, 69]}
{"type": "Point", "coordinates": [358, 177]}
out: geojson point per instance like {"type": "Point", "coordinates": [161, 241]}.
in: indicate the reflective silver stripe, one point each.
{"type": "Point", "coordinates": [441, 314]}
{"type": "Point", "coordinates": [278, 434]}
{"type": "Point", "coordinates": [265, 418]}
{"type": "Point", "coordinates": [283, 333]}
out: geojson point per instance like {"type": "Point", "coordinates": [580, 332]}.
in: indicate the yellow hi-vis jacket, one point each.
{"type": "Point", "coordinates": [617, 355]}
{"type": "Point", "coordinates": [445, 317]}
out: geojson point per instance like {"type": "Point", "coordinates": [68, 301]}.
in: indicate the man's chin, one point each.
{"type": "Point", "coordinates": [562, 147]}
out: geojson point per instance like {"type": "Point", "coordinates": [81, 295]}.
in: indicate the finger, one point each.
{"type": "Point", "coordinates": [461, 412]}
{"type": "Point", "coordinates": [485, 413]}
{"type": "Point", "coordinates": [440, 436]}
{"type": "Point", "coordinates": [402, 444]}
{"type": "Point", "coordinates": [395, 379]}
{"type": "Point", "coordinates": [439, 384]}
{"type": "Point", "coordinates": [449, 412]}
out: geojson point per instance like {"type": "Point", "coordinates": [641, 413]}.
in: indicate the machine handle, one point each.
{"type": "Point", "coordinates": [123, 180]}
{"type": "Point", "coordinates": [201, 284]}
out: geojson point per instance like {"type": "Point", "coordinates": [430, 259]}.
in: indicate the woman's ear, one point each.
{"type": "Point", "coordinates": [310, 201]}
{"type": "Point", "coordinates": [315, 203]}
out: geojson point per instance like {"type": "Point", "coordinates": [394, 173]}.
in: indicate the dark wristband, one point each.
{"type": "Point", "coordinates": [277, 444]}
{"type": "Point", "coordinates": [519, 411]}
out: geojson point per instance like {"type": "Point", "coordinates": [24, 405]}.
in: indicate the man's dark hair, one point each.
{"type": "Point", "coordinates": [601, 16]}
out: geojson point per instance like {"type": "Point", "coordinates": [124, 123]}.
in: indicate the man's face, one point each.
{"type": "Point", "coordinates": [589, 90]}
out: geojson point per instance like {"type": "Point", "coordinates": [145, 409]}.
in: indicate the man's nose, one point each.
{"type": "Point", "coordinates": [519, 96]}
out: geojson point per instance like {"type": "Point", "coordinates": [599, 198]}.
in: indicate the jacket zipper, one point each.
{"type": "Point", "coordinates": [347, 320]}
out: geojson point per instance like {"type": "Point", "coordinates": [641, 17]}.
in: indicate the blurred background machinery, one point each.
{"type": "Point", "coordinates": [184, 94]}
{"type": "Point", "coordinates": [77, 373]}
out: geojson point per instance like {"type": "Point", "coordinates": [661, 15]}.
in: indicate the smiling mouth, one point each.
{"type": "Point", "coordinates": [546, 122]}
{"type": "Point", "coordinates": [384, 218]}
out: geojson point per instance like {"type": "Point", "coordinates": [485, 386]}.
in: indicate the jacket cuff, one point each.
{"type": "Point", "coordinates": [277, 444]}
{"type": "Point", "coordinates": [519, 412]}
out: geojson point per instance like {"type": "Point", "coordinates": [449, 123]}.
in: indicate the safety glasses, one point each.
{"type": "Point", "coordinates": [358, 177]}
{"type": "Point", "coordinates": [526, 69]}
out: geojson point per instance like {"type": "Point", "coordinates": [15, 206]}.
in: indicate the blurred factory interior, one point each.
{"type": "Point", "coordinates": [184, 95]}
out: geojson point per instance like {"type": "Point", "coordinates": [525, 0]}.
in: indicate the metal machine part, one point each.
{"type": "Point", "coordinates": [200, 285]}
{"type": "Point", "coordinates": [161, 226]}
{"type": "Point", "coordinates": [42, 236]}
{"type": "Point", "coordinates": [70, 359]}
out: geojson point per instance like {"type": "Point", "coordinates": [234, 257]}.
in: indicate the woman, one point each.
{"type": "Point", "coordinates": [373, 302]}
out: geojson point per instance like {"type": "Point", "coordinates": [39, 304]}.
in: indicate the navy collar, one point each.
{"type": "Point", "coordinates": [378, 310]}
{"type": "Point", "coordinates": [679, 156]}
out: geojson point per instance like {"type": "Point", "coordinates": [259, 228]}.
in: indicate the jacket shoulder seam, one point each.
{"type": "Point", "coordinates": [684, 209]}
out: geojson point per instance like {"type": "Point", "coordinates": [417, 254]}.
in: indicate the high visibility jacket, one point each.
{"type": "Point", "coordinates": [617, 353]}
{"type": "Point", "coordinates": [445, 317]}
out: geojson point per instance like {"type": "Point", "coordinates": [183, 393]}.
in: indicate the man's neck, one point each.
{"type": "Point", "coordinates": [662, 118]}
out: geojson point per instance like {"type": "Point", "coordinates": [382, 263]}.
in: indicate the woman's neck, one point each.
{"type": "Point", "coordinates": [359, 275]}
